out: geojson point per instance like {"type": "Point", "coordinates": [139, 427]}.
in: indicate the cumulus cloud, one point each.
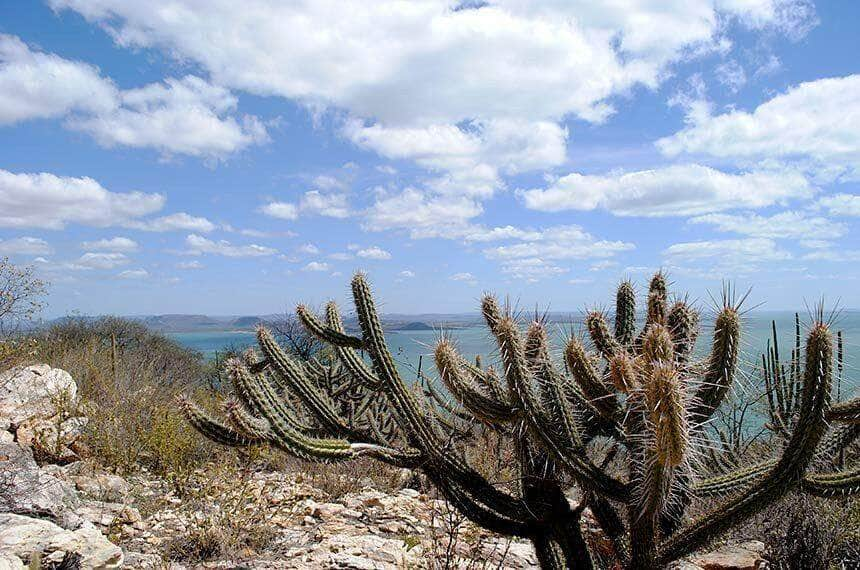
{"type": "Point", "coordinates": [91, 260]}
{"type": "Point", "coordinates": [399, 77]}
{"type": "Point", "coordinates": [466, 277]}
{"type": "Point", "coordinates": [405, 62]}
{"type": "Point", "coordinates": [420, 214]}
{"type": "Point", "coordinates": [199, 245]}
{"type": "Point", "coordinates": [48, 201]}
{"type": "Point", "coordinates": [281, 210]}
{"type": "Point", "coordinates": [841, 204]}
{"type": "Point", "coordinates": [406, 274]}
{"type": "Point", "coordinates": [559, 242]}
{"type": "Point", "coordinates": [734, 255]}
{"type": "Point", "coordinates": [173, 222]}
{"type": "Point", "coordinates": [180, 116]}
{"type": "Point", "coordinates": [316, 266]}
{"type": "Point", "coordinates": [122, 244]}
{"type": "Point", "coordinates": [36, 85]}
{"type": "Point", "coordinates": [133, 274]}
{"type": "Point", "coordinates": [193, 264]}
{"type": "Point", "coordinates": [678, 190]}
{"type": "Point", "coordinates": [25, 246]}
{"type": "Point", "coordinates": [373, 252]}
{"type": "Point", "coordinates": [177, 116]}
{"type": "Point", "coordinates": [816, 123]}
{"type": "Point", "coordinates": [783, 225]}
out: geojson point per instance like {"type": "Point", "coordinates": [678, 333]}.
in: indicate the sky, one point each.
{"type": "Point", "coordinates": [221, 157]}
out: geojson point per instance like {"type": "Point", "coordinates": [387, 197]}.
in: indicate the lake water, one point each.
{"type": "Point", "coordinates": [408, 346]}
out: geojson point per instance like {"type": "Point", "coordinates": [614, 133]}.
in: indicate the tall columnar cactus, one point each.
{"type": "Point", "coordinates": [642, 392]}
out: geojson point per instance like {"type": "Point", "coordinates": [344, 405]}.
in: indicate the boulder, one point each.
{"type": "Point", "coordinates": [22, 536]}
{"type": "Point", "coordinates": [28, 490]}
{"type": "Point", "coordinates": [35, 391]}
{"type": "Point", "coordinates": [746, 556]}
{"type": "Point", "coordinates": [10, 562]}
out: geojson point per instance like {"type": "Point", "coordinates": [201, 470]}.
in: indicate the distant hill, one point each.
{"type": "Point", "coordinates": [414, 326]}
{"type": "Point", "coordinates": [247, 322]}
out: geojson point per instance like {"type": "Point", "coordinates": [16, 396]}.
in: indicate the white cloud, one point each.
{"type": "Point", "coordinates": [47, 201]}
{"type": "Point", "coordinates": [817, 122]}
{"type": "Point", "coordinates": [841, 204]}
{"type": "Point", "coordinates": [422, 215]}
{"type": "Point", "coordinates": [470, 94]}
{"type": "Point", "coordinates": [133, 274]}
{"type": "Point", "coordinates": [199, 245]}
{"type": "Point", "coordinates": [25, 246]}
{"type": "Point", "coordinates": [179, 116]}
{"type": "Point", "coordinates": [174, 222]}
{"type": "Point", "coordinates": [35, 85]}
{"type": "Point", "coordinates": [316, 266]}
{"type": "Point", "coordinates": [730, 255]}
{"type": "Point", "coordinates": [373, 252]}
{"type": "Point", "coordinates": [340, 256]}
{"type": "Point", "coordinates": [92, 260]}
{"type": "Point", "coordinates": [118, 243]}
{"type": "Point", "coordinates": [783, 225]}
{"type": "Point", "coordinates": [560, 242]}
{"type": "Point", "coordinates": [406, 274]}
{"type": "Point", "coordinates": [281, 210]}
{"type": "Point", "coordinates": [601, 265]}
{"type": "Point", "coordinates": [406, 62]}
{"type": "Point", "coordinates": [678, 190]}
{"type": "Point", "coordinates": [332, 205]}
{"type": "Point", "coordinates": [466, 277]}
{"type": "Point", "coordinates": [193, 264]}
{"type": "Point", "coordinates": [479, 234]}
{"type": "Point", "coordinates": [732, 75]}
{"type": "Point", "coordinates": [308, 249]}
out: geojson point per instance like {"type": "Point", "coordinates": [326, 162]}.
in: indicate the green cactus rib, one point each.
{"type": "Point", "coordinates": [787, 473]}
{"type": "Point", "coordinates": [842, 483]}
{"type": "Point", "coordinates": [293, 377]}
{"type": "Point", "coordinates": [327, 334]}
{"type": "Point", "coordinates": [485, 408]}
{"type": "Point", "coordinates": [845, 412]}
{"type": "Point", "coordinates": [732, 482]}
{"type": "Point", "coordinates": [410, 416]}
{"type": "Point", "coordinates": [245, 422]}
{"type": "Point", "coordinates": [518, 376]}
{"type": "Point", "coordinates": [210, 427]}
{"type": "Point", "coordinates": [625, 313]}
{"type": "Point", "coordinates": [348, 356]}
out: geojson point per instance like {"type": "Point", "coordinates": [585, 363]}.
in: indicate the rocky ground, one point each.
{"type": "Point", "coordinates": [67, 513]}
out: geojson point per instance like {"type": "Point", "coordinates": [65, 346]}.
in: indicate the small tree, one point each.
{"type": "Point", "coordinates": [21, 294]}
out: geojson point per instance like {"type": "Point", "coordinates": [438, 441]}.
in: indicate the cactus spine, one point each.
{"type": "Point", "coordinates": [641, 390]}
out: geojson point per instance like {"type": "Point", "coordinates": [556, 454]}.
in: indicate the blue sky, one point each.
{"type": "Point", "coordinates": [236, 158]}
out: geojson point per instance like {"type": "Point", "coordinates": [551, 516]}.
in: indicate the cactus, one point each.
{"type": "Point", "coordinates": [643, 392]}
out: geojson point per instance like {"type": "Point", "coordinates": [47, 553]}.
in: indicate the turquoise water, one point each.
{"type": "Point", "coordinates": [409, 346]}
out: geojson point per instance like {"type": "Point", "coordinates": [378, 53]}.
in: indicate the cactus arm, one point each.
{"type": "Point", "coordinates": [722, 364]}
{"type": "Point", "coordinates": [211, 428]}
{"type": "Point", "coordinates": [583, 372]}
{"type": "Point", "coordinates": [293, 377]}
{"type": "Point", "coordinates": [411, 417]}
{"type": "Point", "coordinates": [324, 333]}
{"type": "Point", "coordinates": [845, 412]}
{"type": "Point", "coordinates": [658, 295]}
{"type": "Point", "coordinates": [598, 330]}
{"type": "Point", "coordinates": [488, 379]}
{"type": "Point", "coordinates": [625, 313]}
{"type": "Point", "coordinates": [518, 377]}
{"type": "Point", "coordinates": [239, 416]}
{"type": "Point", "coordinates": [789, 470]}
{"type": "Point", "coordinates": [485, 408]}
{"type": "Point", "coordinates": [348, 356]}
{"type": "Point", "coordinates": [839, 484]}
{"type": "Point", "coordinates": [732, 482]}
{"type": "Point", "coordinates": [683, 324]}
